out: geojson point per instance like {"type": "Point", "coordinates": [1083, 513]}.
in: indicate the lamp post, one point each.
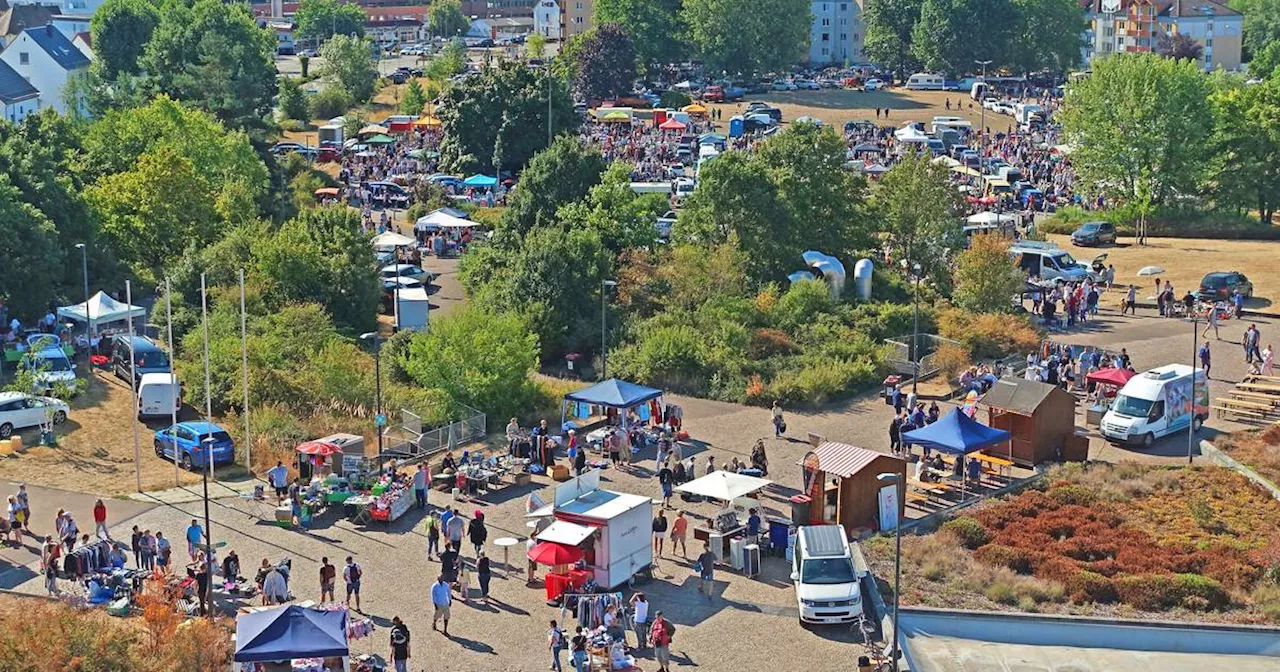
{"type": "Point", "coordinates": [1191, 428]}
{"type": "Point", "coordinates": [373, 337]}
{"type": "Point", "coordinates": [915, 328]}
{"type": "Point", "coordinates": [604, 325]}
{"type": "Point", "coordinates": [896, 480]}
{"type": "Point", "coordinates": [84, 273]}
{"type": "Point", "coordinates": [983, 121]}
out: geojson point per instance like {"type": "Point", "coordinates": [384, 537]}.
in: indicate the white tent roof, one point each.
{"type": "Point", "coordinates": [564, 532]}
{"type": "Point", "coordinates": [102, 309]}
{"type": "Point", "coordinates": [724, 485]}
{"type": "Point", "coordinates": [391, 239]}
{"type": "Point", "coordinates": [442, 220]}
{"type": "Point", "coordinates": [910, 133]}
{"type": "Point", "coordinates": [990, 218]}
{"type": "Point", "coordinates": [412, 294]}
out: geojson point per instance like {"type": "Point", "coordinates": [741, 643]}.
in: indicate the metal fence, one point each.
{"type": "Point", "coordinates": [408, 441]}
{"type": "Point", "coordinates": [928, 344]}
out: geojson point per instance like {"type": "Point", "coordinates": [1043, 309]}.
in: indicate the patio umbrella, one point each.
{"type": "Point", "coordinates": [380, 140]}
{"type": "Point", "coordinates": [373, 129]}
{"type": "Point", "coordinates": [319, 448]}
{"type": "Point", "coordinates": [1117, 377]}
{"type": "Point", "coordinates": [616, 115]}
{"type": "Point", "coordinates": [551, 553]}
{"type": "Point", "coordinates": [694, 109]}
{"type": "Point", "coordinates": [391, 239]}
{"type": "Point", "coordinates": [672, 125]}
{"type": "Point", "coordinates": [426, 121]}
{"type": "Point", "coordinates": [325, 191]}
{"type": "Point", "coordinates": [1150, 270]}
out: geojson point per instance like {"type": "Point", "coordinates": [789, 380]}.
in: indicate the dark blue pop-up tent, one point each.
{"type": "Point", "coordinates": [612, 393]}
{"type": "Point", "coordinates": [290, 632]}
{"type": "Point", "coordinates": [956, 433]}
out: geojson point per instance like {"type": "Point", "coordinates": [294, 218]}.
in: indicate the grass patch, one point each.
{"type": "Point", "coordinates": [1258, 449]}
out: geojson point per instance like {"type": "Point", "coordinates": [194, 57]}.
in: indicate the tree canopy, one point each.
{"type": "Point", "coordinates": [556, 176]}
{"type": "Point", "coordinates": [35, 259]}
{"type": "Point", "coordinates": [748, 36]}
{"type": "Point", "coordinates": [987, 277]}
{"type": "Point", "coordinates": [348, 64]}
{"type": "Point", "coordinates": [120, 30]}
{"type": "Point", "coordinates": [943, 39]}
{"type": "Point", "coordinates": [918, 208]}
{"type": "Point", "coordinates": [1246, 144]}
{"type": "Point", "coordinates": [606, 63]}
{"type": "Point", "coordinates": [889, 25]}
{"type": "Point", "coordinates": [654, 26]}
{"type": "Point", "coordinates": [446, 18]}
{"type": "Point", "coordinates": [321, 19]}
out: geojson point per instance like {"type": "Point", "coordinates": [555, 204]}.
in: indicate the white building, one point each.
{"type": "Point", "coordinates": [46, 59]}
{"type": "Point", "coordinates": [835, 37]}
{"type": "Point", "coordinates": [546, 19]}
{"type": "Point", "coordinates": [17, 97]}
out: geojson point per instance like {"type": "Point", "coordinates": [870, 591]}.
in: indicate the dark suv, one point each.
{"type": "Point", "coordinates": [1094, 233]}
{"type": "Point", "coordinates": [1220, 286]}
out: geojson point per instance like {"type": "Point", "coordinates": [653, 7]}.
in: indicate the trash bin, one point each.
{"type": "Point", "coordinates": [888, 386]}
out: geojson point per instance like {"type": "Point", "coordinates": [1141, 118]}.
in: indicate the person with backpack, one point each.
{"type": "Point", "coordinates": [555, 642]}
{"type": "Point", "coordinates": [351, 574]}
{"type": "Point", "coordinates": [660, 635]}
{"type": "Point", "coordinates": [433, 535]}
{"type": "Point", "coordinates": [399, 645]}
{"type": "Point", "coordinates": [578, 650]}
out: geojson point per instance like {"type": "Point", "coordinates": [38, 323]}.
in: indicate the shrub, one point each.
{"type": "Point", "coordinates": [1149, 592]}
{"type": "Point", "coordinates": [1017, 559]}
{"type": "Point", "coordinates": [329, 102]}
{"type": "Point", "coordinates": [767, 342]}
{"type": "Point", "coordinates": [1086, 586]}
{"type": "Point", "coordinates": [1073, 494]}
{"type": "Point", "coordinates": [951, 360]}
{"type": "Point", "coordinates": [1194, 589]}
{"type": "Point", "coordinates": [1001, 593]}
{"type": "Point", "coordinates": [989, 336]}
{"type": "Point", "coordinates": [970, 532]}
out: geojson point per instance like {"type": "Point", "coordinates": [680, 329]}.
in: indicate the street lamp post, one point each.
{"type": "Point", "coordinates": [896, 480]}
{"type": "Point", "coordinates": [983, 121]}
{"type": "Point", "coordinates": [373, 337]}
{"type": "Point", "coordinates": [604, 325]}
{"type": "Point", "coordinates": [915, 328]}
{"type": "Point", "coordinates": [84, 273]}
{"type": "Point", "coordinates": [1191, 428]}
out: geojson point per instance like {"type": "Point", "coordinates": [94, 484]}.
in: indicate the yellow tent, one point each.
{"type": "Point", "coordinates": [694, 109]}
{"type": "Point", "coordinates": [426, 121]}
{"type": "Point", "coordinates": [616, 116]}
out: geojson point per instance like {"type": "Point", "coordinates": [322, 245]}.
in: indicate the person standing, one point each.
{"type": "Point", "coordinates": [328, 577]}
{"type": "Point", "coordinates": [454, 529]}
{"type": "Point", "coordinates": [779, 425]}
{"type": "Point", "coordinates": [100, 520]}
{"type": "Point", "coordinates": [164, 553]}
{"type": "Point", "coordinates": [49, 556]}
{"type": "Point", "coordinates": [433, 535]}
{"type": "Point", "coordinates": [895, 433]}
{"type": "Point", "coordinates": [278, 476]}
{"type": "Point", "coordinates": [70, 532]}
{"type": "Point", "coordinates": [1131, 301]}
{"type": "Point", "coordinates": [665, 479]}
{"type": "Point", "coordinates": [1204, 358]}
{"type": "Point", "coordinates": [578, 650]}
{"type": "Point", "coordinates": [420, 486]}
{"type": "Point", "coordinates": [659, 531]}
{"type": "Point", "coordinates": [580, 461]}
{"type": "Point", "coordinates": [640, 607]}
{"type": "Point", "coordinates": [399, 645]}
{"type": "Point", "coordinates": [135, 543]}
{"type": "Point", "coordinates": [485, 574]}
{"type": "Point", "coordinates": [195, 534]}
{"type": "Point", "coordinates": [351, 575]}
{"type": "Point", "coordinates": [555, 642]}
{"type": "Point", "coordinates": [678, 529]}
{"type": "Point", "coordinates": [1251, 338]}
{"type": "Point", "coordinates": [1268, 361]}
{"type": "Point", "coordinates": [441, 598]}
{"type": "Point", "coordinates": [660, 634]}
{"type": "Point", "coordinates": [24, 502]}
{"type": "Point", "coordinates": [1211, 323]}
{"type": "Point", "coordinates": [15, 532]}
{"type": "Point", "coordinates": [706, 569]}
{"type": "Point", "coordinates": [148, 550]}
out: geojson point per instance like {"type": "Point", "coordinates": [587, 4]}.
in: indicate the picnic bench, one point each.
{"type": "Point", "coordinates": [993, 465]}
{"type": "Point", "coordinates": [1264, 387]}
{"type": "Point", "coordinates": [1227, 410]}
{"type": "Point", "coordinates": [1257, 396]}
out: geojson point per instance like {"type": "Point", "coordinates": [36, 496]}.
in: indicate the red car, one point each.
{"type": "Point", "coordinates": [713, 94]}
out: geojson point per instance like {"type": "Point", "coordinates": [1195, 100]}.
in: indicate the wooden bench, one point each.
{"type": "Point", "coordinates": [1258, 376]}
{"type": "Point", "coordinates": [1264, 387]}
{"type": "Point", "coordinates": [1259, 396]}
{"type": "Point", "coordinates": [916, 497]}
{"type": "Point", "coordinates": [1236, 411]}
{"type": "Point", "coordinates": [1246, 404]}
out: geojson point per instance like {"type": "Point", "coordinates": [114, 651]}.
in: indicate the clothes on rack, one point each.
{"type": "Point", "coordinates": [590, 609]}
{"type": "Point", "coordinates": [87, 559]}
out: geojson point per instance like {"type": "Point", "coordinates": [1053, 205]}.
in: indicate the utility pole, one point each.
{"type": "Point", "coordinates": [983, 121]}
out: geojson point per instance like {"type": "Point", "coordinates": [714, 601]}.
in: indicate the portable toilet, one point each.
{"type": "Point", "coordinates": [736, 127]}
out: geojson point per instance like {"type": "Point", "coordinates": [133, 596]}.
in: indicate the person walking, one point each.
{"type": "Point", "coordinates": [441, 598]}
{"type": "Point", "coordinates": [328, 577]}
{"type": "Point", "coordinates": [659, 531]}
{"type": "Point", "coordinates": [555, 642]}
{"type": "Point", "coordinates": [100, 521]}
{"type": "Point", "coordinates": [433, 535]}
{"type": "Point", "coordinates": [1251, 338]}
{"type": "Point", "coordinates": [779, 425]}
{"type": "Point", "coordinates": [24, 502]}
{"type": "Point", "coordinates": [1211, 323]}
{"type": "Point", "coordinates": [678, 529]}
{"type": "Point", "coordinates": [49, 555]}
{"type": "Point", "coordinates": [195, 534]}
{"type": "Point", "coordinates": [454, 529]}
{"type": "Point", "coordinates": [351, 575]}
{"type": "Point", "coordinates": [706, 569]}
{"type": "Point", "coordinates": [420, 486]}
{"type": "Point", "coordinates": [135, 543]}
{"type": "Point", "coordinates": [578, 650]}
{"type": "Point", "coordinates": [70, 532]}
{"type": "Point", "coordinates": [399, 645]}
{"type": "Point", "coordinates": [1268, 361]}
{"type": "Point", "coordinates": [15, 532]}
{"type": "Point", "coordinates": [666, 479]}
{"type": "Point", "coordinates": [660, 634]}
{"type": "Point", "coordinates": [1204, 358]}
{"type": "Point", "coordinates": [164, 553]}
{"type": "Point", "coordinates": [1130, 302]}
{"type": "Point", "coordinates": [484, 573]}
{"type": "Point", "coordinates": [477, 532]}
{"type": "Point", "coordinates": [640, 607]}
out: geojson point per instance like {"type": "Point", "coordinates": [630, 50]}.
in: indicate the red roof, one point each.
{"type": "Point", "coordinates": [843, 460]}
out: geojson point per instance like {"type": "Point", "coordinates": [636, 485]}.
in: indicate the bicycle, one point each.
{"type": "Point", "coordinates": [873, 657]}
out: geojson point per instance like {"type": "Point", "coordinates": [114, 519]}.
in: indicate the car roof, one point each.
{"type": "Point", "coordinates": [200, 427]}
{"type": "Point", "coordinates": [1220, 274]}
{"type": "Point", "coordinates": [140, 342]}
{"type": "Point", "coordinates": [824, 541]}
{"type": "Point", "coordinates": [12, 396]}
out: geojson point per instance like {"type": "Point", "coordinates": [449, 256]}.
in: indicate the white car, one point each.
{"type": "Point", "coordinates": [807, 84]}
{"type": "Point", "coordinates": [784, 85]}
{"type": "Point", "coordinates": [1004, 108]}
{"type": "Point", "coordinates": [827, 584]}
{"type": "Point", "coordinates": [19, 410]}
{"type": "Point", "coordinates": [990, 103]}
{"type": "Point", "coordinates": [873, 85]}
{"type": "Point", "coordinates": [51, 367]}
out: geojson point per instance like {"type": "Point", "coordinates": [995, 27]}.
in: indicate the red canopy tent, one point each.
{"type": "Point", "coordinates": [1117, 377]}
{"type": "Point", "coordinates": [672, 125]}
{"type": "Point", "coordinates": [318, 448]}
{"type": "Point", "coordinates": [551, 553]}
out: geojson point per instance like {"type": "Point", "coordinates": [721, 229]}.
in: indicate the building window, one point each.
{"type": "Point", "coordinates": [826, 22]}
{"type": "Point", "coordinates": [844, 6]}
{"type": "Point", "coordinates": [578, 6]}
{"type": "Point", "coordinates": [24, 58]}
{"type": "Point", "coordinates": [844, 37]}
{"type": "Point", "coordinates": [825, 51]}
{"type": "Point", "coordinates": [826, 37]}
{"type": "Point", "coordinates": [1208, 42]}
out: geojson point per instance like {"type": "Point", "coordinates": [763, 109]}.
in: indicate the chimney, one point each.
{"type": "Point", "coordinates": [277, 9]}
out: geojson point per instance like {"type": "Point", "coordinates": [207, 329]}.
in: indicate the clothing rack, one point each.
{"type": "Point", "coordinates": [595, 603]}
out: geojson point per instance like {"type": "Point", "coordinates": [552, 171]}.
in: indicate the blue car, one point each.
{"type": "Point", "coordinates": [192, 444]}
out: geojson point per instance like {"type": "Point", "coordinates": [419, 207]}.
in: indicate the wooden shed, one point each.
{"type": "Point", "coordinates": [1040, 417]}
{"type": "Point", "coordinates": [855, 490]}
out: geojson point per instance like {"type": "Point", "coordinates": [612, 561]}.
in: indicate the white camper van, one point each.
{"type": "Point", "coordinates": [827, 589]}
{"type": "Point", "coordinates": [925, 81]}
{"type": "Point", "coordinates": [1157, 403]}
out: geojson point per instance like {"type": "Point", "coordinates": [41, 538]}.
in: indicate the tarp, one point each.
{"type": "Point", "coordinates": [290, 632]}
{"type": "Point", "coordinates": [391, 239]}
{"type": "Point", "coordinates": [956, 433]}
{"type": "Point", "coordinates": [479, 180]}
{"type": "Point", "coordinates": [380, 140]}
{"type": "Point", "coordinates": [565, 532]}
{"type": "Point", "coordinates": [102, 309]}
{"type": "Point", "coordinates": [441, 220]}
{"type": "Point", "coordinates": [991, 218]}
{"type": "Point", "coordinates": [615, 393]}
{"type": "Point", "coordinates": [373, 129]}
{"type": "Point", "coordinates": [723, 485]}
{"type": "Point", "coordinates": [1117, 377]}
{"type": "Point", "coordinates": [672, 125]}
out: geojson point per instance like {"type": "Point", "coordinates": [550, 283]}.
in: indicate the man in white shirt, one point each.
{"type": "Point", "coordinates": [420, 486]}
{"type": "Point", "coordinates": [278, 476]}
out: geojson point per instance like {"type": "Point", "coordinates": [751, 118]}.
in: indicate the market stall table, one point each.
{"type": "Point", "coordinates": [359, 509]}
{"type": "Point", "coordinates": [505, 543]}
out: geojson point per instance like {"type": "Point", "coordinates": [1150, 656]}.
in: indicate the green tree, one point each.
{"type": "Point", "coordinates": [919, 211]}
{"type": "Point", "coordinates": [987, 277]}
{"type": "Point", "coordinates": [654, 26]}
{"type": "Point", "coordinates": [555, 177]}
{"type": "Point", "coordinates": [348, 63]}
{"type": "Point", "coordinates": [792, 195]}
{"type": "Point", "coordinates": [329, 102]}
{"type": "Point", "coordinates": [120, 30]}
{"type": "Point", "coordinates": [1046, 35]}
{"type": "Point", "coordinates": [606, 63]}
{"type": "Point", "coordinates": [446, 19]}
{"type": "Point", "coordinates": [481, 358]}
{"type": "Point", "coordinates": [1246, 144]}
{"type": "Point", "coordinates": [34, 258]}
{"type": "Point", "coordinates": [414, 100]}
{"type": "Point", "coordinates": [943, 39]}
{"type": "Point", "coordinates": [1132, 144]}
{"type": "Point", "coordinates": [322, 19]}
{"type": "Point", "coordinates": [498, 119]}
{"type": "Point", "coordinates": [1261, 26]}
{"type": "Point", "coordinates": [293, 102]}
{"type": "Point", "coordinates": [623, 218]}
{"type": "Point", "coordinates": [449, 62]}
{"type": "Point", "coordinates": [213, 55]}
{"type": "Point", "coordinates": [535, 46]}
{"type": "Point", "coordinates": [748, 36]}
{"type": "Point", "coordinates": [889, 24]}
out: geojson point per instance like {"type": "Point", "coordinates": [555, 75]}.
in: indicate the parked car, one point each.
{"type": "Point", "coordinates": [1094, 233]}
{"type": "Point", "coordinates": [399, 77]}
{"type": "Point", "coordinates": [826, 581]}
{"type": "Point", "coordinates": [1220, 286]}
{"type": "Point", "coordinates": [784, 85]}
{"type": "Point", "coordinates": [807, 85]}
{"type": "Point", "coordinates": [148, 357]}
{"type": "Point", "coordinates": [159, 394]}
{"type": "Point", "coordinates": [873, 84]}
{"type": "Point", "coordinates": [19, 410]}
{"type": "Point", "coordinates": [282, 148]}
{"type": "Point", "coordinates": [990, 103]}
{"type": "Point", "coordinates": [51, 367]}
{"type": "Point", "coordinates": [194, 444]}
{"type": "Point", "coordinates": [411, 271]}
{"type": "Point", "coordinates": [713, 94]}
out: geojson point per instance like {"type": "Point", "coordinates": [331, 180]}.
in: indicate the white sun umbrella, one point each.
{"type": "Point", "coordinates": [391, 239]}
{"type": "Point", "coordinates": [990, 218]}
{"type": "Point", "coordinates": [725, 486]}
{"type": "Point", "coordinates": [1150, 270]}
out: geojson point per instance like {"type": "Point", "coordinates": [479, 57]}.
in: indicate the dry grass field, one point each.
{"type": "Point", "coordinates": [836, 106]}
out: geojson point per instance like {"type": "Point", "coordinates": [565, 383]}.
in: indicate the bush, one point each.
{"type": "Point", "coordinates": [1149, 592]}
{"type": "Point", "coordinates": [989, 336]}
{"type": "Point", "coordinates": [1073, 494]}
{"type": "Point", "coordinates": [1201, 591]}
{"type": "Point", "coordinates": [768, 342]}
{"type": "Point", "coordinates": [952, 360]}
{"type": "Point", "coordinates": [1086, 586]}
{"type": "Point", "coordinates": [970, 532]}
{"type": "Point", "coordinates": [996, 555]}
{"type": "Point", "coordinates": [673, 99]}
{"type": "Point", "coordinates": [329, 102]}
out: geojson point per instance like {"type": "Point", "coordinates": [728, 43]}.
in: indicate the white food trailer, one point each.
{"type": "Point", "coordinates": [617, 525]}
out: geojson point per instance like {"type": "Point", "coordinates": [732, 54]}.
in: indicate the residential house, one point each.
{"type": "Point", "coordinates": [17, 97]}
{"type": "Point", "coordinates": [46, 59]}
{"type": "Point", "coordinates": [71, 24]}
{"type": "Point", "coordinates": [835, 36]}
{"type": "Point", "coordinates": [546, 19]}
{"type": "Point", "coordinates": [1114, 26]}
{"type": "Point", "coordinates": [495, 28]}
{"type": "Point", "coordinates": [15, 18]}
{"type": "Point", "coordinates": [576, 16]}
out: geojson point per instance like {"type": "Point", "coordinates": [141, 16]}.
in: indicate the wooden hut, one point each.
{"type": "Point", "coordinates": [855, 491]}
{"type": "Point", "coordinates": [1040, 417]}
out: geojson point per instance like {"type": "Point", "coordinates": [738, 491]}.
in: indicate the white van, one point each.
{"type": "Point", "coordinates": [925, 81]}
{"type": "Point", "coordinates": [159, 395]}
{"type": "Point", "coordinates": [827, 589]}
{"type": "Point", "coordinates": [1157, 403]}
{"type": "Point", "coordinates": [1047, 261]}
{"type": "Point", "coordinates": [978, 91]}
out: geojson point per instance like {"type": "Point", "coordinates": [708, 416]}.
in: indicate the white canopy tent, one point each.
{"type": "Point", "coordinates": [392, 239]}
{"type": "Point", "coordinates": [991, 218]}
{"type": "Point", "coordinates": [102, 310]}
{"type": "Point", "coordinates": [910, 133]}
{"type": "Point", "coordinates": [441, 220]}
{"type": "Point", "coordinates": [724, 485]}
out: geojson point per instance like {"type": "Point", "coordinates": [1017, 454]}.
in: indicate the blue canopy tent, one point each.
{"type": "Point", "coordinates": [479, 180]}
{"type": "Point", "coordinates": [290, 632]}
{"type": "Point", "coordinates": [956, 433]}
{"type": "Point", "coordinates": [613, 393]}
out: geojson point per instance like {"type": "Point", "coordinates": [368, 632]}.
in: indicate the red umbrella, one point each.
{"type": "Point", "coordinates": [551, 553]}
{"type": "Point", "coordinates": [318, 448]}
{"type": "Point", "coordinates": [1117, 377]}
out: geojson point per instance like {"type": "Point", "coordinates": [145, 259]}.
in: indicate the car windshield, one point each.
{"type": "Point", "coordinates": [1214, 281]}
{"type": "Point", "coordinates": [218, 437]}
{"type": "Point", "coordinates": [153, 360]}
{"type": "Point", "coordinates": [827, 571]}
{"type": "Point", "coordinates": [1064, 260]}
{"type": "Point", "coordinates": [1132, 406]}
{"type": "Point", "coordinates": [55, 364]}
{"type": "Point", "coordinates": [1090, 227]}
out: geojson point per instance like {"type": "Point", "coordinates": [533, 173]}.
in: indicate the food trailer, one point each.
{"type": "Point", "coordinates": [611, 528]}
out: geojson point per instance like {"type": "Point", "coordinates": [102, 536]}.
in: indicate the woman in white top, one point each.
{"type": "Point", "coordinates": [1267, 364]}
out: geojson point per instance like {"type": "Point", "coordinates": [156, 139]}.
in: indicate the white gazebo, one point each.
{"type": "Point", "coordinates": [725, 486]}
{"type": "Point", "coordinates": [441, 220]}
{"type": "Point", "coordinates": [102, 310]}
{"type": "Point", "coordinates": [392, 239]}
